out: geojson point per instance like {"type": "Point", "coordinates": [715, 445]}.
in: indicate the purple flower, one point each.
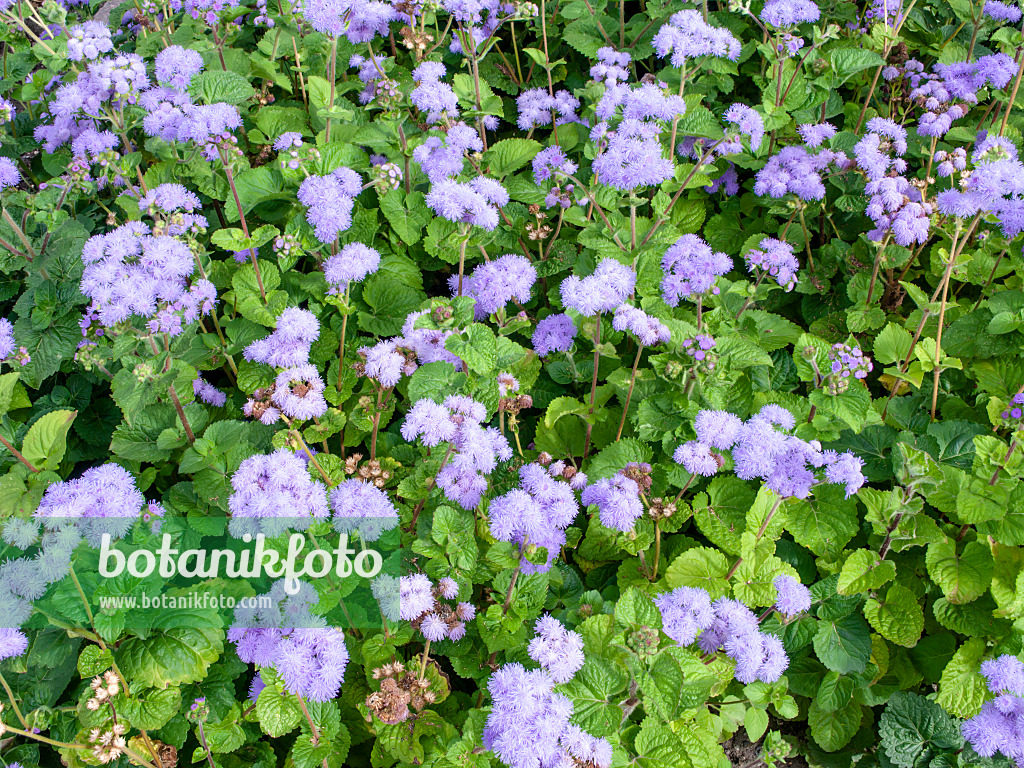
{"type": "Point", "coordinates": [552, 161]}
{"type": "Point", "coordinates": [536, 107]}
{"type": "Point", "coordinates": [995, 728]}
{"type": "Point", "coordinates": [647, 330]}
{"type": "Point", "coordinates": [386, 363]}
{"type": "Point", "coordinates": [602, 291]}
{"type": "Point", "coordinates": [102, 500]}
{"type": "Point", "coordinates": [555, 333]}
{"type": "Point", "coordinates": [431, 95]}
{"type": "Point", "coordinates": [88, 41]}
{"type": "Point", "coordinates": [329, 201]}
{"type": "Point", "coordinates": [299, 393]}
{"type": "Point", "coordinates": [747, 122]}
{"type": "Point", "coordinates": [1002, 11]}
{"type": "Point", "coordinates": [495, 283]}
{"type": "Point", "coordinates": [685, 612]}
{"type": "Point", "coordinates": [351, 265]}
{"type": "Point", "coordinates": [362, 508]}
{"type": "Point", "coordinates": [688, 36]}
{"type": "Point", "coordinates": [273, 493]}
{"type": "Point", "coordinates": [845, 469]}
{"type": "Point", "coordinates": [691, 268]}
{"type": "Point", "coordinates": [696, 458]}
{"type": "Point", "coordinates": [612, 66]}
{"type": "Point", "coordinates": [12, 643]}
{"type": "Point", "coordinates": [208, 393]}
{"type": "Point", "coordinates": [556, 649]}
{"type": "Point", "coordinates": [717, 429]}
{"type": "Point", "coordinates": [789, 13]}
{"type": "Point", "coordinates": [7, 343]}
{"type": "Point", "coordinates": [776, 258]}
{"type": "Point", "coordinates": [633, 155]}
{"type": "Point", "coordinates": [617, 500]}
{"type": "Point", "coordinates": [794, 170]}
{"type": "Point", "coordinates": [536, 514]}
{"type": "Point", "coordinates": [474, 203]}
{"type": "Point", "coordinates": [791, 597]}
{"type": "Point", "coordinates": [288, 346]}
{"type": "Point", "coordinates": [176, 66]}
{"type": "Point", "coordinates": [816, 135]}
{"type": "Point", "coordinates": [1004, 675]}
{"type": "Point", "coordinates": [448, 588]}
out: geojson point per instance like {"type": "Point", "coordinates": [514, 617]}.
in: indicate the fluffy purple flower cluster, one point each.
{"type": "Point", "coordinates": [386, 362]}
{"type": "Point", "coordinates": [176, 66]}
{"type": "Point", "coordinates": [351, 264]}
{"type": "Point", "coordinates": [617, 499]}
{"type": "Point", "coordinates": [1014, 411]}
{"type": "Point", "coordinates": [776, 258]}
{"type": "Point", "coordinates": [10, 176]}
{"type": "Point", "coordinates": [362, 508]}
{"type": "Point", "coordinates": [846, 361]}
{"type": "Point", "coordinates": [12, 643]}
{"type": "Point", "coordinates": [329, 201]}
{"type": "Point", "coordinates": [288, 346]}
{"type": "Point", "coordinates": [787, 464]}
{"type": "Point", "coordinates": [420, 602]}
{"type": "Point", "coordinates": [600, 292]}
{"type": "Point", "coordinates": [647, 330]}
{"type": "Point", "coordinates": [612, 66]}
{"type": "Point", "coordinates": [427, 343]}
{"type": "Point", "coordinates": [88, 41]}
{"type": "Point", "coordinates": [359, 21]}
{"type": "Point", "coordinates": [688, 615]}
{"type": "Point", "coordinates": [999, 726]}
{"type": "Point", "coordinates": [208, 393]}
{"type": "Point", "coordinates": [555, 333]}
{"type": "Point", "coordinates": [432, 96]}
{"type": "Point", "coordinates": [475, 449]}
{"type": "Point", "coordinates": [130, 272]}
{"type": "Point", "coordinates": [476, 202]}
{"type": "Point", "coordinates": [994, 186]}
{"type": "Point", "coordinates": [273, 493]}
{"type": "Point", "coordinates": [789, 13]}
{"type": "Point", "coordinates": [691, 269]}
{"type": "Point", "coordinates": [299, 393]}
{"type": "Point", "coordinates": [536, 514]}
{"type": "Point", "coordinates": [688, 36]}
{"type": "Point", "coordinates": [538, 108]}
{"type": "Point", "coordinates": [495, 283]}
{"type": "Point", "coordinates": [530, 725]}
{"type": "Point", "coordinates": [999, 11]}
{"type": "Point", "coordinates": [950, 162]}
{"type": "Point", "coordinates": [791, 597]}
{"type": "Point", "coordinates": [309, 656]}
{"type": "Point", "coordinates": [7, 342]}
{"type": "Point", "coordinates": [558, 650]}
{"type": "Point", "coordinates": [102, 500]}
{"type": "Point", "coordinates": [698, 347]}
{"type": "Point", "coordinates": [442, 158]}
{"type": "Point", "coordinates": [552, 162]}
{"type": "Point", "coordinates": [795, 170]}
{"type": "Point", "coordinates": [747, 123]}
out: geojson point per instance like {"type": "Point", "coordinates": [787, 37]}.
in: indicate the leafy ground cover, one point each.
{"type": "Point", "coordinates": [669, 354]}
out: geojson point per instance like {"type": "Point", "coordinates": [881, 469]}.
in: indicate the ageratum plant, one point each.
{"type": "Point", "coordinates": [667, 353]}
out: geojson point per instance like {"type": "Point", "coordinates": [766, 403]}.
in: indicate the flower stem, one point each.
{"type": "Point", "coordinates": [17, 454]}
{"type": "Point", "coordinates": [341, 344]}
{"type": "Point", "coordinates": [21, 235]}
{"type": "Point", "coordinates": [593, 386]}
{"type": "Point", "coordinates": [245, 227]}
{"type": "Point", "coordinates": [629, 394]}
{"type": "Point", "coordinates": [14, 704]}
{"type": "Point", "coordinates": [874, 270]}
{"type": "Point", "coordinates": [334, 77]}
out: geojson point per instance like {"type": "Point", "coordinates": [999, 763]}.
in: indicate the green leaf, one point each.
{"type": "Point", "coordinates": [46, 441]}
{"type": "Point", "coordinates": [844, 645]}
{"type": "Point", "coordinates": [755, 722]}
{"type": "Point", "coordinates": [594, 691]}
{"type": "Point", "coordinates": [170, 657]}
{"type": "Point", "coordinates": [701, 567]}
{"type": "Point", "coordinates": [962, 577]}
{"type": "Point", "coordinates": [864, 571]}
{"type": "Point", "coordinates": [7, 383]}
{"type": "Point", "coordinates": [912, 728]}
{"type": "Point", "coordinates": [510, 155]}
{"type": "Point", "coordinates": [835, 692]}
{"type": "Point", "coordinates": [657, 746]}
{"type": "Point", "coordinates": [824, 523]}
{"type": "Point", "coordinates": [846, 62]}
{"type": "Point", "coordinates": [635, 608]}
{"type": "Point", "coordinates": [677, 680]}
{"type": "Point", "coordinates": [477, 346]}
{"type": "Point", "coordinates": [898, 618]}
{"type": "Point", "coordinates": [151, 708]}
{"type": "Point", "coordinates": [962, 688]}
{"type": "Point", "coordinates": [407, 214]}
{"type": "Point", "coordinates": [832, 730]}
{"type": "Point", "coordinates": [278, 713]}
{"type": "Point", "coordinates": [93, 660]}
{"type": "Point", "coordinates": [219, 85]}
{"type": "Point", "coordinates": [892, 344]}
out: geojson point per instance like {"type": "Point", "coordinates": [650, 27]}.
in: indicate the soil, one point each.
{"type": "Point", "coordinates": [743, 753]}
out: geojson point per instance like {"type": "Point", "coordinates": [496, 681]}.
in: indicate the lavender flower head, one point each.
{"type": "Point", "coordinates": [10, 176]}
{"type": "Point", "coordinates": [996, 729]}
{"type": "Point", "coordinates": [329, 201]}
{"type": "Point", "coordinates": [696, 458]}
{"type": "Point", "coordinates": [688, 36]}
{"type": "Point", "coordinates": [556, 649]}
{"type": "Point", "coordinates": [12, 643]}
{"type": "Point", "coordinates": [555, 333]}
{"type": "Point", "coordinates": [691, 269]}
{"type": "Point", "coordinates": [647, 330]}
{"type": "Point", "coordinates": [748, 122]}
{"type": "Point", "coordinates": [1000, 11]}
{"type": "Point", "coordinates": [617, 500]}
{"type": "Point", "coordinates": [789, 13]}
{"type": "Point", "coordinates": [288, 346]}
{"type": "Point", "coordinates": [600, 292]}
{"type": "Point", "coordinates": [273, 493]}
{"type": "Point", "coordinates": [364, 509]}
{"type": "Point", "coordinates": [87, 41]}
{"type": "Point", "coordinates": [791, 597]}
{"type": "Point", "coordinates": [352, 264]}
{"type": "Point", "coordinates": [816, 135]}
{"type": "Point", "coordinates": [495, 283]}
{"type": "Point", "coordinates": [299, 393]}
{"type": "Point", "coordinates": [176, 66]}
{"type": "Point", "coordinates": [102, 500]}
{"type": "Point", "coordinates": [777, 259]}
{"type": "Point", "coordinates": [208, 393]}
{"type": "Point", "coordinates": [7, 343]}
{"type": "Point", "coordinates": [685, 613]}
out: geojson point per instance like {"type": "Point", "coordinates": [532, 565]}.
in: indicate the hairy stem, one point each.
{"type": "Point", "coordinates": [629, 394]}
